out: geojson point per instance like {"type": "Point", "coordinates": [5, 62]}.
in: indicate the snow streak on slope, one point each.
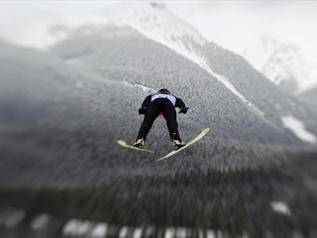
{"type": "Point", "coordinates": [135, 85]}
{"type": "Point", "coordinates": [298, 128]}
{"type": "Point", "coordinates": [158, 24]}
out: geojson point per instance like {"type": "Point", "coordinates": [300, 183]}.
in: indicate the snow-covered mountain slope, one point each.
{"type": "Point", "coordinates": [60, 122]}
{"type": "Point", "coordinates": [126, 55]}
{"type": "Point", "coordinates": [299, 129]}
{"type": "Point", "coordinates": [284, 64]}
{"type": "Point", "coordinates": [146, 47]}
{"type": "Point", "coordinates": [61, 114]}
{"type": "Point", "coordinates": [157, 23]}
{"type": "Point", "coordinates": [43, 95]}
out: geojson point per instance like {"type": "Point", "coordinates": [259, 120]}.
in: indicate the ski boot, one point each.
{"type": "Point", "coordinates": [178, 144]}
{"type": "Point", "coordinates": [139, 143]}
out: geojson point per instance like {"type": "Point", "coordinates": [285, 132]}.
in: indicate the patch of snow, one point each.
{"type": "Point", "coordinates": [298, 128]}
{"type": "Point", "coordinates": [40, 221]}
{"type": "Point", "coordinates": [72, 227]}
{"type": "Point", "coordinates": [13, 218]}
{"type": "Point", "coordinates": [84, 228]}
{"type": "Point", "coordinates": [100, 230]}
{"type": "Point", "coordinates": [160, 23]}
{"type": "Point", "coordinates": [229, 85]}
{"type": "Point", "coordinates": [135, 85]}
{"type": "Point", "coordinates": [210, 234]}
{"type": "Point", "coordinates": [137, 232]}
{"type": "Point", "coordinates": [200, 61]}
{"type": "Point", "coordinates": [280, 207]}
{"type": "Point", "coordinates": [123, 232]}
{"type": "Point", "coordinates": [169, 232]}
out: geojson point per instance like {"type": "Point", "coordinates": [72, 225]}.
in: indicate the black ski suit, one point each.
{"type": "Point", "coordinates": [161, 104]}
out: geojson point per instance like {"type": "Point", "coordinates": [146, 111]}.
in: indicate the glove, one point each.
{"type": "Point", "coordinates": [183, 110]}
{"type": "Point", "coordinates": [142, 110]}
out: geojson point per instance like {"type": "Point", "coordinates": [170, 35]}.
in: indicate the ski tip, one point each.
{"type": "Point", "coordinates": [126, 145]}
{"type": "Point", "coordinates": [207, 129]}
{"type": "Point", "coordinates": [121, 142]}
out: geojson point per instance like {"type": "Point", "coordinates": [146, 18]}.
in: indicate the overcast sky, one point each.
{"type": "Point", "coordinates": [230, 24]}
{"type": "Point", "coordinates": [233, 24]}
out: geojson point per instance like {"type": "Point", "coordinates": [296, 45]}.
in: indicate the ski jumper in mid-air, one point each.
{"type": "Point", "coordinates": [156, 104]}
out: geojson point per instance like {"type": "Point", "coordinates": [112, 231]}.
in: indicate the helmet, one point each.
{"type": "Point", "coordinates": [164, 91]}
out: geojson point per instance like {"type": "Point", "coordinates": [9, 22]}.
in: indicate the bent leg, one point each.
{"type": "Point", "coordinates": [151, 114]}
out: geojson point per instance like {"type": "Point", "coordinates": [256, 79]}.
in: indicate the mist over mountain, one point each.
{"type": "Point", "coordinates": [283, 63]}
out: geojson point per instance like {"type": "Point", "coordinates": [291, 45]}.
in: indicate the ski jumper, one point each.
{"type": "Point", "coordinates": [160, 104]}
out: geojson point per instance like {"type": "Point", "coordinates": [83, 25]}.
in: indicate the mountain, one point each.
{"type": "Point", "coordinates": [61, 166]}
{"type": "Point", "coordinates": [63, 108]}
{"type": "Point", "coordinates": [69, 104]}
{"type": "Point", "coordinates": [137, 43]}
{"type": "Point", "coordinates": [283, 63]}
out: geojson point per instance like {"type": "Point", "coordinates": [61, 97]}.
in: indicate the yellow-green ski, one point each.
{"type": "Point", "coordinates": [126, 145]}
{"type": "Point", "coordinates": [193, 141]}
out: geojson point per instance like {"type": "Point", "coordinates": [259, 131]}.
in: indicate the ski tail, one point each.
{"type": "Point", "coordinates": [126, 145]}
